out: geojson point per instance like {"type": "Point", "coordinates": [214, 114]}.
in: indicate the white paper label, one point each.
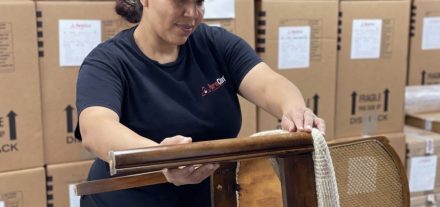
{"type": "Point", "coordinates": [366, 38]}
{"type": "Point", "coordinates": [422, 173]}
{"type": "Point", "coordinates": [294, 47]}
{"type": "Point", "coordinates": [2, 204]}
{"type": "Point", "coordinates": [219, 9]}
{"type": "Point", "coordinates": [431, 33]}
{"type": "Point", "coordinates": [76, 39]}
{"type": "Point", "coordinates": [214, 24]}
{"type": "Point", "coordinates": [73, 198]}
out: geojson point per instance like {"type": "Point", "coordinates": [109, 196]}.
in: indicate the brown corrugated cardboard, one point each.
{"type": "Point", "coordinates": [428, 200]}
{"type": "Point", "coordinates": [21, 138]}
{"type": "Point", "coordinates": [243, 26]}
{"type": "Point", "coordinates": [428, 121]}
{"type": "Point", "coordinates": [58, 75]}
{"type": "Point", "coordinates": [61, 181]}
{"type": "Point", "coordinates": [285, 23]}
{"type": "Point", "coordinates": [371, 67]}
{"type": "Point", "coordinates": [24, 188]}
{"type": "Point", "coordinates": [424, 64]}
{"type": "Point", "coordinates": [422, 144]}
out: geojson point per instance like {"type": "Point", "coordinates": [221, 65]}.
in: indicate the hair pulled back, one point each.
{"type": "Point", "coordinates": [130, 10]}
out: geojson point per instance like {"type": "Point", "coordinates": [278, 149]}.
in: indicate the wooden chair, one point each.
{"type": "Point", "coordinates": [368, 171]}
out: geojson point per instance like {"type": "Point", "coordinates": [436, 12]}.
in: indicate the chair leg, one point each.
{"type": "Point", "coordinates": [224, 186]}
{"type": "Point", "coordinates": [298, 189]}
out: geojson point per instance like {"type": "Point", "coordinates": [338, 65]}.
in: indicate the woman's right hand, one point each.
{"type": "Point", "coordinates": [189, 174]}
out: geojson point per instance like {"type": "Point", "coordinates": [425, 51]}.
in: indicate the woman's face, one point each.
{"type": "Point", "coordinates": [174, 20]}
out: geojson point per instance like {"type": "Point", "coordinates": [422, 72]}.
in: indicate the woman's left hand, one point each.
{"type": "Point", "coordinates": [302, 119]}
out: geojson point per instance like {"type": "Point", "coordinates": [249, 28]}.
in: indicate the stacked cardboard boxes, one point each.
{"type": "Point", "coordinates": [371, 67]}
{"type": "Point", "coordinates": [67, 32]}
{"type": "Point", "coordinates": [300, 43]}
{"type": "Point", "coordinates": [424, 64]}
{"type": "Point", "coordinates": [61, 179]}
{"type": "Point", "coordinates": [23, 188]}
{"type": "Point", "coordinates": [427, 120]}
{"type": "Point", "coordinates": [423, 149]}
{"type": "Point", "coordinates": [372, 61]}
{"type": "Point", "coordinates": [21, 144]}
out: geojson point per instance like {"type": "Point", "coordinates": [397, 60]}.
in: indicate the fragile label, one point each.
{"type": "Point", "coordinates": [74, 200]}
{"type": "Point", "coordinates": [431, 33]}
{"type": "Point", "coordinates": [366, 38]}
{"type": "Point", "coordinates": [219, 9]}
{"type": "Point", "coordinates": [422, 173]}
{"type": "Point", "coordinates": [6, 47]}
{"type": "Point", "coordinates": [76, 39]}
{"type": "Point", "coordinates": [294, 47]}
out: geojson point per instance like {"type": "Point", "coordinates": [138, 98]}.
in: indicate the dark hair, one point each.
{"type": "Point", "coordinates": [131, 10]}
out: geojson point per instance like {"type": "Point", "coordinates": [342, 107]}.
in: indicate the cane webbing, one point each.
{"type": "Point", "coordinates": [366, 175]}
{"type": "Point", "coordinates": [326, 187]}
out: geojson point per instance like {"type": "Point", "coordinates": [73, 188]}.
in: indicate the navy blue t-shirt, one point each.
{"type": "Point", "coordinates": [194, 96]}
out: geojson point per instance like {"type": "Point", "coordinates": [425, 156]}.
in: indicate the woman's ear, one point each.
{"type": "Point", "coordinates": [144, 3]}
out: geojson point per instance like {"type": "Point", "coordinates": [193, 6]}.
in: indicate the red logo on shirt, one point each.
{"type": "Point", "coordinates": [210, 87]}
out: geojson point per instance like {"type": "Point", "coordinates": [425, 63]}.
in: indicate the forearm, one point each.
{"type": "Point", "coordinates": [280, 96]}
{"type": "Point", "coordinates": [271, 91]}
{"type": "Point", "coordinates": [103, 135]}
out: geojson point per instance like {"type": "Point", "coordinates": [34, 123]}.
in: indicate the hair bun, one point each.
{"type": "Point", "coordinates": [130, 10]}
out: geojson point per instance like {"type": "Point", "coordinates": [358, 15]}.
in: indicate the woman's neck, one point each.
{"type": "Point", "coordinates": [154, 46]}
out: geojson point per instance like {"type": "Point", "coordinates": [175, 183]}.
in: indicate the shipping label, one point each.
{"type": "Point", "coordinates": [366, 38]}
{"type": "Point", "coordinates": [76, 39]}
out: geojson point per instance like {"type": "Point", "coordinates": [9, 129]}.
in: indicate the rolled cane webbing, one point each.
{"type": "Point", "coordinates": [326, 186]}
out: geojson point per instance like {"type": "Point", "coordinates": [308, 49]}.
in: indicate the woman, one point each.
{"type": "Point", "coordinates": [173, 80]}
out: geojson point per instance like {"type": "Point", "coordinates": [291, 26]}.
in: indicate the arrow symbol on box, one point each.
{"type": "Point", "coordinates": [385, 104]}
{"type": "Point", "coordinates": [12, 126]}
{"type": "Point", "coordinates": [353, 103]}
{"type": "Point", "coordinates": [69, 118]}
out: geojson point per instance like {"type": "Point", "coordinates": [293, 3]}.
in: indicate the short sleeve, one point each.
{"type": "Point", "coordinates": [239, 56]}
{"type": "Point", "coordinates": [99, 84]}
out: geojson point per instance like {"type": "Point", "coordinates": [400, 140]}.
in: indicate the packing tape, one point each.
{"type": "Point", "coordinates": [369, 124]}
{"type": "Point", "coordinates": [428, 125]}
{"type": "Point", "coordinates": [431, 199]}
{"type": "Point", "coordinates": [429, 143]}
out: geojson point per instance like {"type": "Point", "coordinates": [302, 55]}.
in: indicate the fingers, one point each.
{"type": "Point", "coordinates": [190, 174]}
{"type": "Point", "coordinates": [176, 140]}
{"type": "Point", "coordinates": [203, 172]}
{"type": "Point", "coordinates": [303, 120]}
{"type": "Point", "coordinates": [287, 124]}
{"type": "Point", "coordinates": [309, 118]}
{"type": "Point", "coordinates": [320, 124]}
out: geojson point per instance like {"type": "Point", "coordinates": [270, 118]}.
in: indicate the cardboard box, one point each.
{"type": "Point", "coordinates": [424, 64]}
{"type": "Point", "coordinates": [423, 148]}
{"type": "Point", "coordinates": [429, 121]}
{"type": "Point", "coordinates": [285, 26]}
{"type": "Point", "coordinates": [61, 179]}
{"type": "Point", "coordinates": [59, 71]}
{"type": "Point", "coordinates": [24, 188]}
{"type": "Point", "coordinates": [21, 134]}
{"type": "Point", "coordinates": [242, 24]}
{"type": "Point", "coordinates": [429, 200]}
{"type": "Point", "coordinates": [371, 67]}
